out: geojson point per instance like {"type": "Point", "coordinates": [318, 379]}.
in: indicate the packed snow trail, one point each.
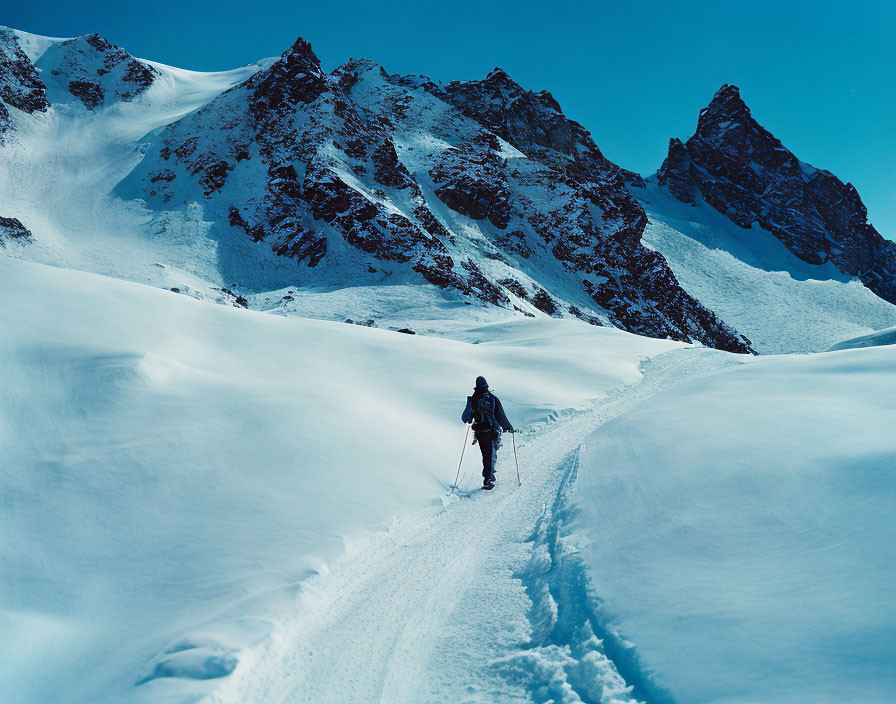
{"type": "Point", "coordinates": [477, 600]}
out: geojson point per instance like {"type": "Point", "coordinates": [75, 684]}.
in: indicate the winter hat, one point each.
{"type": "Point", "coordinates": [481, 383]}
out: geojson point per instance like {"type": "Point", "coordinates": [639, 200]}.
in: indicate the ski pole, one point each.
{"type": "Point", "coordinates": [513, 435]}
{"type": "Point", "coordinates": [462, 450]}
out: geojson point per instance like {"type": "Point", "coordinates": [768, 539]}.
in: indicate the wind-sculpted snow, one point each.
{"type": "Point", "coordinates": [739, 526]}
{"type": "Point", "coordinates": [175, 472]}
{"type": "Point", "coordinates": [362, 176]}
{"type": "Point", "coordinates": [874, 339]}
{"type": "Point", "coordinates": [744, 172]}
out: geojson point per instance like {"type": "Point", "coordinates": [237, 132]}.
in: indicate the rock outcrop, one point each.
{"type": "Point", "coordinates": [746, 173]}
{"type": "Point", "coordinates": [20, 83]}
{"type": "Point", "coordinates": [13, 229]}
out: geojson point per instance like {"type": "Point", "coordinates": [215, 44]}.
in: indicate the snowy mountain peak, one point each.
{"type": "Point", "coordinates": [296, 77]}
{"type": "Point", "coordinates": [301, 57]}
{"type": "Point", "coordinates": [745, 172]}
{"type": "Point", "coordinates": [94, 71]}
{"type": "Point", "coordinates": [499, 77]}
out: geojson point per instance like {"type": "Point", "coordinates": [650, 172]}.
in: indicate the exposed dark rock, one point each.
{"type": "Point", "coordinates": [388, 170]}
{"type": "Point", "coordinates": [166, 175]}
{"type": "Point", "coordinates": [744, 172]}
{"type": "Point", "coordinates": [213, 173]}
{"type": "Point", "coordinates": [13, 229]}
{"type": "Point", "coordinates": [20, 83]}
{"type": "Point", "coordinates": [139, 74]}
{"type": "Point", "coordinates": [515, 287]}
{"type": "Point", "coordinates": [590, 319]}
{"type": "Point", "coordinates": [291, 239]}
{"type": "Point", "coordinates": [296, 78]}
{"type": "Point", "coordinates": [88, 92]}
{"type": "Point", "coordinates": [238, 301]}
{"type": "Point", "coordinates": [675, 173]}
{"type": "Point", "coordinates": [544, 302]}
{"type": "Point", "coordinates": [406, 331]}
{"type": "Point", "coordinates": [472, 181]}
{"type": "Point", "coordinates": [539, 298]}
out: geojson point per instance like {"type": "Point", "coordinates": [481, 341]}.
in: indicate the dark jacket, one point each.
{"type": "Point", "coordinates": [500, 416]}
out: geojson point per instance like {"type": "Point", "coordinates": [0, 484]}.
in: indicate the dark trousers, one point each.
{"type": "Point", "coordinates": [487, 440]}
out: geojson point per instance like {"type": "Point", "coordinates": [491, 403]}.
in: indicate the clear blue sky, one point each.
{"type": "Point", "coordinates": [821, 75]}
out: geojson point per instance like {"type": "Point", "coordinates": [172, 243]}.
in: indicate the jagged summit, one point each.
{"type": "Point", "coordinates": [499, 76]}
{"type": "Point", "coordinates": [726, 99]}
{"type": "Point", "coordinates": [301, 55]}
{"type": "Point", "coordinates": [745, 172]}
{"type": "Point", "coordinates": [89, 68]}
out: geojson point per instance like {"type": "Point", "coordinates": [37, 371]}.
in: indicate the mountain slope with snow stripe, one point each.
{"type": "Point", "coordinates": [282, 175]}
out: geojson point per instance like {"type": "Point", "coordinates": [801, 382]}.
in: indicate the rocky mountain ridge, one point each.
{"type": "Point", "coordinates": [743, 171]}
{"type": "Point", "coordinates": [478, 186]}
{"type": "Point", "coordinates": [358, 177]}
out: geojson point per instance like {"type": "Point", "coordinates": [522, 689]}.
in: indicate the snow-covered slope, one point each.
{"type": "Point", "coordinates": [58, 168]}
{"type": "Point", "coordinates": [780, 302]}
{"type": "Point", "coordinates": [874, 339]}
{"type": "Point", "coordinates": [173, 470]}
{"type": "Point", "coordinates": [202, 502]}
{"type": "Point", "coordinates": [739, 528]}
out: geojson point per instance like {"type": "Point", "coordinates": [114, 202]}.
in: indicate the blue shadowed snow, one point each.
{"type": "Point", "coordinates": [741, 529]}
{"type": "Point", "coordinates": [754, 283]}
{"type": "Point", "coordinates": [874, 339]}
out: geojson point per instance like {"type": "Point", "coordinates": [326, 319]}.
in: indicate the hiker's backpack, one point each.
{"type": "Point", "coordinates": [484, 413]}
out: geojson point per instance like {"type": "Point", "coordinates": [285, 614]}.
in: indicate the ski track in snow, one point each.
{"type": "Point", "coordinates": [481, 600]}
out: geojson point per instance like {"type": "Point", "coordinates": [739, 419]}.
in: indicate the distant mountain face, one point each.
{"type": "Point", "coordinates": [358, 176]}
{"type": "Point", "coordinates": [95, 71]}
{"type": "Point", "coordinates": [744, 172]}
{"type": "Point", "coordinates": [354, 177]}
{"type": "Point", "coordinates": [479, 186]}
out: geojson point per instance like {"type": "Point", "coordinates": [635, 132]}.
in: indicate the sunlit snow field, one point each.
{"type": "Point", "coordinates": [200, 501]}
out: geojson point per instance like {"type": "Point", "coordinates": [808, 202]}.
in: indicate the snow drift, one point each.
{"type": "Point", "coordinates": [874, 339]}
{"type": "Point", "coordinates": [174, 469]}
{"type": "Point", "coordinates": [739, 526]}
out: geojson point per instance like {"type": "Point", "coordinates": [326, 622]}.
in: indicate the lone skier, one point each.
{"type": "Point", "coordinates": [486, 413]}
